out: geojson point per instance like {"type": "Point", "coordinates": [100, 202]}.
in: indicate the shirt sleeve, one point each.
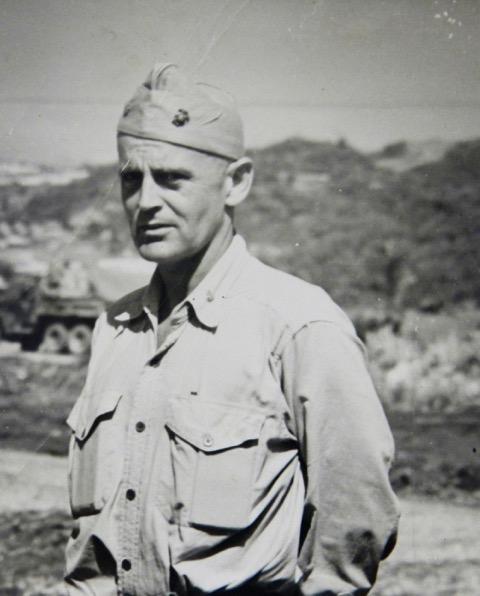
{"type": "Point", "coordinates": [346, 449]}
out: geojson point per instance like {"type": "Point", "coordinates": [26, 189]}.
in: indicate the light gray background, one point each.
{"type": "Point", "coordinates": [372, 71]}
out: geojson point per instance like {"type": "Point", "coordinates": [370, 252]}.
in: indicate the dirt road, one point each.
{"type": "Point", "coordinates": [437, 554]}
{"type": "Point", "coordinates": [32, 481]}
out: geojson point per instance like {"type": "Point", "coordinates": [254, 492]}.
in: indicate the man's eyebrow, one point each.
{"type": "Point", "coordinates": [177, 172]}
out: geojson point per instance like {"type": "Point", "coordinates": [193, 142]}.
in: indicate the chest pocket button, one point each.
{"type": "Point", "coordinates": [207, 440]}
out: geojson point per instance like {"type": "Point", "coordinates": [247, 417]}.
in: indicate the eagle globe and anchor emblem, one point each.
{"type": "Point", "coordinates": [181, 117]}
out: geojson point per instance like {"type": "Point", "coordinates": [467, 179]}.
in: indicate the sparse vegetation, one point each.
{"type": "Point", "coordinates": [432, 365]}
{"type": "Point", "coordinates": [324, 211]}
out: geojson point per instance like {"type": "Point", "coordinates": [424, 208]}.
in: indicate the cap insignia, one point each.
{"type": "Point", "coordinates": [181, 118]}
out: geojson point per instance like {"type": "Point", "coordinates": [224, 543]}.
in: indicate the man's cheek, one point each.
{"type": "Point", "coordinates": [132, 224]}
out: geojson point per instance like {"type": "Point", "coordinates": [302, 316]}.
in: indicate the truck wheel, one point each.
{"type": "Point", "coordinates": [55, 338]}
{"type": "Point", "coordinates": [79, 339]}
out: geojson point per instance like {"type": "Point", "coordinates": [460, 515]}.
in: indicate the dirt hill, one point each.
{"type": "Point", "coordinates": [367, 233]}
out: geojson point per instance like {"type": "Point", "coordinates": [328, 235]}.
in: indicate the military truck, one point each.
{"type": "Point", "coordinates": [56, 312]}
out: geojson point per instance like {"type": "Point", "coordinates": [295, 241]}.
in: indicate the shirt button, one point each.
{"type": "Point", "coordinates": [140, 427]}
{"type": "Point", "coordinates": [130, 494]}
{"type": "Point", "coordinates": [210, 296]}
{"type": "Point", "coordinates": [207, 440]}
{"type": "Point", "coordinates": [126, 565]}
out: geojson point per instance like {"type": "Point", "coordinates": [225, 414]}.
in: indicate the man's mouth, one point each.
{"type": "Point", "coordinates": [153, 228]}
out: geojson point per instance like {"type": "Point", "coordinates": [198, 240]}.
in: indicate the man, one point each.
{"type": "Point", "coordinates": [228, 438]}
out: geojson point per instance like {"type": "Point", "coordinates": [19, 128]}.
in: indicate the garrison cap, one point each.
{"type": "Point", "coordinates": [169, 107]}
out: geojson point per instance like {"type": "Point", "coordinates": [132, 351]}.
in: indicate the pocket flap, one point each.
{"type": "Point", "coordinates": [86, 411]}
{"type": "Point", "coordinates": [212, 426]}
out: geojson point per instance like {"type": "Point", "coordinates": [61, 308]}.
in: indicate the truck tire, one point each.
{"type": "Point", "coordinates": [79, 339]}
{"type": "Point", "coordinates": [55, 338]}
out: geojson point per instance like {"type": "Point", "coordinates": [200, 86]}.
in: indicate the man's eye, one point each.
{"type": "Point", "coordinates": [131, 178]}
{"type": "Point", "coordinates": [169, 180]}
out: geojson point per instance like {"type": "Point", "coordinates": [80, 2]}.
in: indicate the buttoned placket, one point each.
{"type": "Point", "coordinates": [140, 435]}
{"type": "Point", "coordinates": [139, 438]}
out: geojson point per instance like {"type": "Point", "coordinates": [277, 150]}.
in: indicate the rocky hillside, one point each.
{"type": "Point", "coordinates": [367, 232]}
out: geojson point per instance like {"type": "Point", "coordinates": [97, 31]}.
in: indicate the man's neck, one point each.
{"type": "Point", "coordinates": [180, 280]}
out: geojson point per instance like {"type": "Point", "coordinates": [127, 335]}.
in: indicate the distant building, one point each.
{"type": "Point", "coordinates": [25, 174]}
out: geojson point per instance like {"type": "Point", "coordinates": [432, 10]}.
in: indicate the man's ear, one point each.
{"type": "Point", "coordinates": [238, 180]}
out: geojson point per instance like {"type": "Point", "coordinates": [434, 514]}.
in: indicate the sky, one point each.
{"type": "Point", "coordinates": [370, 71]}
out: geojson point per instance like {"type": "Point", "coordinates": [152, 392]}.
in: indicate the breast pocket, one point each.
{"type": "Point", "coordinates": [94, 457]}
{"type": "Point", "coordinates": [213, 453]}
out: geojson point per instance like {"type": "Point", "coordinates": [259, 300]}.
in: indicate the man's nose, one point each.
{"type": "Point", "coordinates": [150, 193]}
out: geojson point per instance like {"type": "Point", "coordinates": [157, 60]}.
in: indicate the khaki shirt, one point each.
{"type": "Point", "coordinates": [247, 451]}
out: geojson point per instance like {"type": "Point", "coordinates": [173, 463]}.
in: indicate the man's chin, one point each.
{"type": "Point", "coordinates": [149, 253]}
{"type": "Point", "coordinates": [159, 253]}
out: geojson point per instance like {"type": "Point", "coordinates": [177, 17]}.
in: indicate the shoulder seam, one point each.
{"type": "Point", "coordinates": [353, 336]}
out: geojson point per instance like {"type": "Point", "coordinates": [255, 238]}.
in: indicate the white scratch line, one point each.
{"type": "Point", "coordinates": [216, 38]}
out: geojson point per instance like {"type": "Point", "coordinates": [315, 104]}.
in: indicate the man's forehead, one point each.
{"type": "Point", "coordinates": [139, 152]}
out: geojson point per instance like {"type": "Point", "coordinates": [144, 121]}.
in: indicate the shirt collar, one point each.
{"type": "Point", "coordinates": [205, 299]}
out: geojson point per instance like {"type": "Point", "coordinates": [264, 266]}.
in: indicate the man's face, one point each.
{"type": "Point", "coordinates": [173, 197]}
